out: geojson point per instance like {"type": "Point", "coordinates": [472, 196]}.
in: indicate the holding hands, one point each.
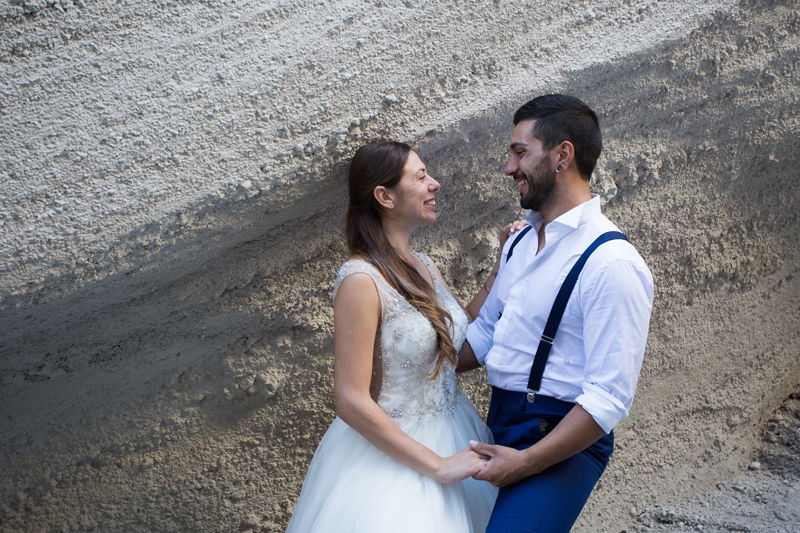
{"type": "Point", "coordinates": [459, 466]}
{"type": "Point", "coordinates": [503, 465]}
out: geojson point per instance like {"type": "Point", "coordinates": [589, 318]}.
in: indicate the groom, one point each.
{"type": "Point", "coordinates": [563, 329]}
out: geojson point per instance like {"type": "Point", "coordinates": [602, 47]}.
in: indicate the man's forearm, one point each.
{"type": "Point", "coordinates": [576, 432]}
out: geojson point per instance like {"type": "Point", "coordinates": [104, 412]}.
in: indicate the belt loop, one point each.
{"type": "Point", "coordinates": [522, 405]}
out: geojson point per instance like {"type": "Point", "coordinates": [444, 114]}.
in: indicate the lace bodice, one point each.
{"type": "Point", "coordinates": [407, 345]}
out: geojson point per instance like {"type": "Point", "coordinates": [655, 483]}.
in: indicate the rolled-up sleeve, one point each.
{"type": "Point", "coordinates": [617, 301]}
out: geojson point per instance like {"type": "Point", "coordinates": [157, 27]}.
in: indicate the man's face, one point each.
{"type": "Point", "coordinates": [531, 167]}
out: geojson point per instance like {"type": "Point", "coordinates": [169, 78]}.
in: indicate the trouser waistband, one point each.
{"type": "Point", "coordinates": [505, 399]}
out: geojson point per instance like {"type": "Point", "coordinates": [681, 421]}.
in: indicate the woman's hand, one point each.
{"type": "Point", "coordinates": [459, 466]}
{"type": "Point", "coordinates": [510, 229]}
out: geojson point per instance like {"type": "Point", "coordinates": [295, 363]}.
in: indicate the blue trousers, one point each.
{"type": "Point", "coordinates": [548, 502]}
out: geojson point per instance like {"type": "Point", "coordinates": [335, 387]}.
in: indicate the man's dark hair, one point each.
{"type": "Point", "coordinates": [565, 118]}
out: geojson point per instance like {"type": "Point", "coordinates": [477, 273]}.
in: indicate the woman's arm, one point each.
{"type": "Point", "coordinates": [474, 305]}
{"type": "Point", "coordinates": [356, 315]}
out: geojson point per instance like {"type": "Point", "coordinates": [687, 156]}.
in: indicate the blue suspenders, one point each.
{"type": "Point", "coordinates": [516, 241]}
{"type": "Point", "coordinates": [557, 312]}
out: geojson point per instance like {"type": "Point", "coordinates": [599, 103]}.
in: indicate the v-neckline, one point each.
{"type": "Point", "coordinates": [431, 275]}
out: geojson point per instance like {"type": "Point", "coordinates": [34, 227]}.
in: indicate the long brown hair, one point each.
{"type": "Point", "coordinates": [382, 163]}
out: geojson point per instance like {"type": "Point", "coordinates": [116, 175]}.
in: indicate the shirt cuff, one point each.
{"type": "Point", "coordinates": [478, 342]}
{"type": "Point", "coordinates": [606, 410]}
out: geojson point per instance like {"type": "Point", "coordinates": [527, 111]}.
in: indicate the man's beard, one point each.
{"type": "Point", "coordinates": [540, 184]}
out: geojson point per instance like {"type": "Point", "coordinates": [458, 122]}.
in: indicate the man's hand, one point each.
{"type": "Point", "coordinates": [505, 466]}
{"type": "Point", "coordinates": [576, 431]}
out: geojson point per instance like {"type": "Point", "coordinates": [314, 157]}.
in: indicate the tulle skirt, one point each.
{"type": "Point", "coordinates": [353, 487]}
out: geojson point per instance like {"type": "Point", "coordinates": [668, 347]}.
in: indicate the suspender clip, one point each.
{"type": "Point", "coordinates": [548, 340]}
{"type": "Point", "coordinates": [531, 396]}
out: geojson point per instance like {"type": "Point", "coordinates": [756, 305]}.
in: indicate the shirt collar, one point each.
{"type": "Point", "coordinates": [572, 218]}
{"type": "Point", "coordinates": [534, 219]}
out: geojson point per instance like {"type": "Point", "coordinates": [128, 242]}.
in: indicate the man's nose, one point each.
{"type": "Point", "coordinates": [511, 167]}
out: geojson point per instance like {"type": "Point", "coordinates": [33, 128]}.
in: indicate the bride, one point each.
{"type": "Point", "coordinates": [397, 457]}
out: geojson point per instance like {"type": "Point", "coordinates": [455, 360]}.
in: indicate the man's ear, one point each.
{"type": "Point", "coordinates": [384, 197]}
{"type": "Point", "coordinates": [564, 155]}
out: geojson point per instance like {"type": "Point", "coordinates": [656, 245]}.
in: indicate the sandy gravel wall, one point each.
{"type": "Point", "coordinates": [141, 133]}
{"type": "Point", "coordinates": [173, 187]}
{"type": "Point", "coordinates": [764, 499]}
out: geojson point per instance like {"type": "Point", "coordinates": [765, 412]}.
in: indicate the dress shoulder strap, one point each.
{"type": "Point", "coordinates": [355, 266]}
{"type": "Point", "coordinates": [428, 262]}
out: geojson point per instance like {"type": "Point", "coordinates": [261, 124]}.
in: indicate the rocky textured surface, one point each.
{"type": "Point", "coordinates": [173, 187]}
{"type": "Point", "coordinates": [137, 136]}
{"type": "Point", "coordinates": [764, 500]}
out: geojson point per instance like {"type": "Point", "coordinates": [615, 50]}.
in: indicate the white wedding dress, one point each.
{"type": "Point", "coordinates": [351, 485]}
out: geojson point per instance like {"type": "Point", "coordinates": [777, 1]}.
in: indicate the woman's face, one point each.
{"type": "Point", "coordinates": [416, 194]}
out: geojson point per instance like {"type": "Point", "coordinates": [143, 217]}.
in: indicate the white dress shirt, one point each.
{"type": "Point", "coordinates": [598, 349]}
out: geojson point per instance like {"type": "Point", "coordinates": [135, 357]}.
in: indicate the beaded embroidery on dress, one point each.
{"type": "Point", "coordinates": [351, 486]}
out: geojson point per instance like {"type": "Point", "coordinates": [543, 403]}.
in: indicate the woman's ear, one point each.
{"type": "Point", "coordinates": [384, 197]}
